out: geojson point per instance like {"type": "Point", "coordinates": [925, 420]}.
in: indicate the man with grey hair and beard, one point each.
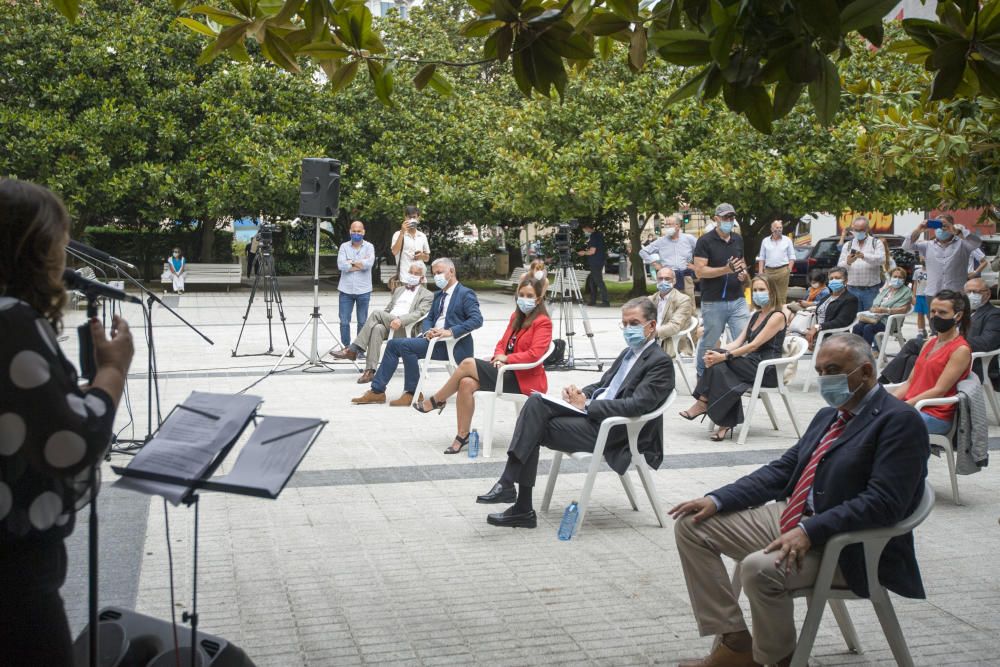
{"type": "Point", "coordinates": [638, 382]}
{"type": "Point", "coordinates": [861, 464]}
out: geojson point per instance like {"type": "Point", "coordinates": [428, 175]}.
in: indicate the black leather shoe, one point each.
{"type": "Point", "coordinates": [498, 494]}
{"type": "Point", "coordinates": [509, 519]}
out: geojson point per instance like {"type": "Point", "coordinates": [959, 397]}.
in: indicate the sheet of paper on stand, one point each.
{"type": "Point", "coordinates": [188, 442]}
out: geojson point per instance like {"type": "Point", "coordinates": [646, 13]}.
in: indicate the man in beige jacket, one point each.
{"type": "Point", "coordinates": [674, 310]}
{"type": "Point", "coordinates": [410, 303]}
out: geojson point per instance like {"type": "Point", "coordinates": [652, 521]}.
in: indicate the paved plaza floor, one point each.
{"type": "Point", "coordinates": [377, 553]}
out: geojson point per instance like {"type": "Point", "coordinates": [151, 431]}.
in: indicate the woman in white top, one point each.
{"type": "Point", "coordinates": [409, 243]}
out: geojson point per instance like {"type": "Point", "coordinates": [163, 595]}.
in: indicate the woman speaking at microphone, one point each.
{"type": "Point", "coordinates": [52, 432]}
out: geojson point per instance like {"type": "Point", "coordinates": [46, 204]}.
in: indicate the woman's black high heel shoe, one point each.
{"type": "Point", "coordinates": [721, 435]}
{"type": "Point", "coordinates": [419, 407]}
{"type": "Point", "coordinates": [462, 442]}
{"type": "Point", "coordinates": [690, 417]}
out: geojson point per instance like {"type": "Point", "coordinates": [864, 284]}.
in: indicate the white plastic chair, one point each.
{"type": "Point", "coordinates": [425, 363]}
{"type": "Point", "coordinates": [490, 398]}
{"type": "Point", "coordinates": [678, 359]}
{"type": "Point", "coordinates": [819, 342]}
{"type": "Point", "coordinates": [991, 396]}
{"type": "Point", "coordinates": [763, 392]}
{"type": "Point", "coordinates": [634, 425]}
{"type": "Point", "coordinates": [893, 329]}
{"type": "Point", "coordinates": [942, 441]}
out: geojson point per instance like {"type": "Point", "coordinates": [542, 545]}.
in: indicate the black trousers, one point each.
{"type": "Point", "coordinates": [545, 424]}
{"type": "Point", "coordinates": [33, 625]}
{"type": "Point", "coordinates": [595, 284]}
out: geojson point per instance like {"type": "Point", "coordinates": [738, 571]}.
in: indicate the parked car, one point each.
{"type": "Point", "coordinates": [825, 254]}
{"type": "Point", "coordinates": [800, 273]}
{"type": "Point", "coordinates": [991, 246]}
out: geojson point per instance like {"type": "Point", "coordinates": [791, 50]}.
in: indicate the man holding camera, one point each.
{"type": "Point", "coordinates": [863, 257]}
{"type": "Point", "coordinates": [719, 265]}
{"type": "Point", "coordinates": [410, 244]}
{"type": "Point", "coordinates": [947, 255]}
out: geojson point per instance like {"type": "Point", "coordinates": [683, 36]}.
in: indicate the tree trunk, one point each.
{"type": "Point", "coordinates": [635, 241]}
{"type": "Point", "coordinates": [207, 242]}
{"type": "Point", "coordinates": [512, 240]}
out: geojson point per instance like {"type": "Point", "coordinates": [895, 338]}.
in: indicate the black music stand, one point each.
{"type": "Point", "coordinates": [262, 469]}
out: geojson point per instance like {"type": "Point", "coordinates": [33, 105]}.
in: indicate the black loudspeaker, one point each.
{"type": "Point", "coordinates": [319, 193]}
{"type": "Point", "coordinates": [129, 639]}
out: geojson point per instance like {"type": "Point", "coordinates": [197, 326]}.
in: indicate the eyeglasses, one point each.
{"type": "Point", "coordinates": [622, 325]}
{"type": "Point", "coordinates": [728, 216]}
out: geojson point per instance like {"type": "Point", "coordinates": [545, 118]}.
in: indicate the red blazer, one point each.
{"type": "Point", "coordinates": [530, 345]}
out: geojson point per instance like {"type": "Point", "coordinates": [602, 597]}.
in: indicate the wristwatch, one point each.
{"type": "Point", "coordinates": [729, 355]}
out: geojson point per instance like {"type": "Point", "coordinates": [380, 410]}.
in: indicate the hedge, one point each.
{"type": "Point", "coordinates": [148, 249]}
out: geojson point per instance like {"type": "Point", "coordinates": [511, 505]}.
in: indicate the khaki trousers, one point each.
{"type": "Point", "coordinates": [780, 277]}
{"type": "Point", "coordinates": [742, 536]}
{"type": "Point", "coordinates": [372, 335]}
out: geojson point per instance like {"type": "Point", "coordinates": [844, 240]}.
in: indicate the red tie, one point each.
{"type": "Point", "coordinates": [792, 513]}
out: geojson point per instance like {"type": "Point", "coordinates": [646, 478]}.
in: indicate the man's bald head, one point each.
{"type": "Point", "coordinates": [666, 273]}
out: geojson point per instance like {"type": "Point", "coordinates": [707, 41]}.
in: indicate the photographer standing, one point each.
{"type": "Point", "coordinates": [52, 432]}
{"type": "Point", "coordinates": [719, 264]}
{"type": "Point", "coordinates": [863, 257]}
{"type": "Point", "coordinates": [409, 244]}
{"type": "Point", "coordinates": [355, 260]}
{"type": "Point", "coordinates": [597, 256]}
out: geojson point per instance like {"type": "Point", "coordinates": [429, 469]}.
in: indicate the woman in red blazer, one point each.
{"type": "Point", "coordinates": [526, 340]}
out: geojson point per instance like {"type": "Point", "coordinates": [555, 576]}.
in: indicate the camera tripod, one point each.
{"type": "Point", "coordinates": [263, 266]}
{"type": "Point", "coordinates": [570, 297]}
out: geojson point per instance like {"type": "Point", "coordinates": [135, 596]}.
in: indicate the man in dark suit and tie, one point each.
{"type": "Point", "coordinates": [861, 464]}
{"type": "Point", "coordinates": [454, 312]}
{"type": "Point", "coordinates": [637, 383]}
{"type": "Point", "coordinates": [983, 336]}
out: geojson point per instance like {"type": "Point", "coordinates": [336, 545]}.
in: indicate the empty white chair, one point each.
{"type": "Point", "coordinates": [778, 364]}
{"type": "Point", "coordinates": [991, 396]}
{"type": "Point", "coordinates": [893, 329]}
{"type": "Point", "coordinates": [490, 398]}
{"type": "Point", "coordinates": [425, 363]}
{"type": "Point", "coordinates": [819, 341]}
{"type": "Point", "coordinates": [633, 425]}
{"type": "Point", "coordinates": [678, 359]}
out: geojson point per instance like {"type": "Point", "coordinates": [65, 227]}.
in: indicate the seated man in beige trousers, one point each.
{"type": "Point", "coordinates": [410, 302]}
{"type": "Point", "coordinates": [861, 464]}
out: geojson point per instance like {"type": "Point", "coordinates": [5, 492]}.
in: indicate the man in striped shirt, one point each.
{"type": "Point", "coordinates": [861, 464]}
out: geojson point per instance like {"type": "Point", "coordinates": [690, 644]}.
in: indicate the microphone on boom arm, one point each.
{"type": "Point", "coordinates": [92, 289]}
{"type": "Point", "coordinates": [94, 253]}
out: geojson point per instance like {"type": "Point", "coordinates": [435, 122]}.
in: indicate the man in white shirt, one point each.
{"type": "Point", "coordinates": [863, 258]}
{"type": "Point", "coordinates": [410, 303]}
{"type": "Point", "coordinates": [776, 260]}
{"type": "Point", "coordinates": [675, 249]}
{"type": "Point", "coordinates": [409, 244]}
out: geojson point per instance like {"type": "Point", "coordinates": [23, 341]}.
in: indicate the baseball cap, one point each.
{"type": "Point", "coordinates": [724, 209]}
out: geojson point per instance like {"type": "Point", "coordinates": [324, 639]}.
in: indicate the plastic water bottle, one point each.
{"type": "Point", "coordinates": [568, 524]}
{"type": "Point", "coordinates": [474, 444]}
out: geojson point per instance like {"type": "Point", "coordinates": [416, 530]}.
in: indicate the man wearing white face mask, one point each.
{"type": "Point", "coordinates": [639, 380]}
{"type": "Point", "coordinates": [863, 258]}
{"type": "Point", "coordinates": [673, 311]}
{"type": "Point", "coordinates": [410, 302]}
{"type": "Point", "coordinates": [675, 250]}
{"type": "Point", "coordinates": [454, 313]}
{"type": "Point", "coordinates": [861, 464]}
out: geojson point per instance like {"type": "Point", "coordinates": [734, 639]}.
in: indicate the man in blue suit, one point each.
{"type": "Point", "coordinates": [454, 312]}
{"type": "Point", "coordinates": [861, 464]}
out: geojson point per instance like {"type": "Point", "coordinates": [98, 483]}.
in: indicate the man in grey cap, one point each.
{"type": "Point", "coordinates": [719, 265]}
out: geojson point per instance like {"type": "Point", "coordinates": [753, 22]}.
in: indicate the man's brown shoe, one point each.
{"type": "Point", "coordinates": [346, 353]}
{"type": "Point", "coordinates": [722, 656]}
{"type": "Point", "coordinates": [367, 376]}
{"type": "Point", "coordinates": [403, 401]}
{"type": "Point", "coordinates": [370, 398]}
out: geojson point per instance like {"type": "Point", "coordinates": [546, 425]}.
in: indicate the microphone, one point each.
{"type": "Point", "coordinates": [94, 253]}
{"type": "Point", "coordinates": [93, 288]}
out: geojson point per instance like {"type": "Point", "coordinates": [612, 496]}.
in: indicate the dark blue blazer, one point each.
{"type": "Point", "coordinates": [871, 477]}
{"type": "Point", "coordinates": [462, 317]}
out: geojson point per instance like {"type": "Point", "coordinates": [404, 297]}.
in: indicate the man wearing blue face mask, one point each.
{"type": "Point", "coordinates": [719, 265]}
{"type": "Point", "coordinates": [674, 309]}
{"type": "Point", "coordinates": [454, 313]}
{"type": "Point", "coordinates": [947, 255]}
{"type": "Point", "coordinates": [861, 464]}
{"type": "Point", "coordinates": [863, 258]}
{"type": "Point", "coordinates": [639, 380]}
{"type": "Point", "coordinates": [355, 260]}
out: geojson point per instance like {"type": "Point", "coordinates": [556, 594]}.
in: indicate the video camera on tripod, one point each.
{"type": "Point", "coordinates": [265, 238]}
{"type": "Point", "coordinates": [563, 241]}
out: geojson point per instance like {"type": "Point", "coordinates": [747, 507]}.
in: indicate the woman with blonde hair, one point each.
{"type": "Point", "coordinates": [539, 272]}
{"type": "Point", "coordinates": [731, 369]}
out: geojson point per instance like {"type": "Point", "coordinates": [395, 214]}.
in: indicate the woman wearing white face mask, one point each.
{"type": "Point", "coordinates": [730, 371]}
{"type": "Point", "coordinates": [526, 339]}
{"type": "Point", "coordinates": [178, 270]}
{"type": "Point", "coordinates": [893, 299]}
{"type": "Point", "coordinates": [537, 271]}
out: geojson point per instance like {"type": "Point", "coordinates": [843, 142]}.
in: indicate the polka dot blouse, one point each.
{"type": "Point", "coordinates": [51, 432]}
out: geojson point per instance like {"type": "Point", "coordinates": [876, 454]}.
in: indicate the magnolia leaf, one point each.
{"type": "Point", "coordinates": [196, 26]}
{"type": "Point", "coordinates": [424, 76]}
{"type": "Point", "coordinates": [824, 91]}
{"type": "Point", "coordinates": [823, 17]}
{"type": "Point", "coordinates": [278, 51]}
{"type": "Point", "coordinates": [68, 8]}
{"type": "Point", "coordinates": [605, 23]}
{"type": "Point", "coordinates": [325, 50]}
{"type": "Point", "coordinates": [226, 39]}
{"type": "Point", "coordinates": [441, 84]}
{"type": "Point", "coordinates": [220, 16]}
{"type": "Point", "coordinates": [786, 94]}
{"type": "Point", "coordinates": [688, 89]}
{"type": "Point", "coordinates": [861, 13]}
{"type": "Point", "coordinates": [343, 75]}
{"type": "Point", "coordinates": [638, 48]}
{"type": "Point", "coordinates": [505, 11]}
{"type": "Point", "coordinates": [757, 107]}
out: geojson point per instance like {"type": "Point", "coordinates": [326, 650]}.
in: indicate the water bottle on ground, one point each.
{"type": "Point", "coordinates": [568, 524]}
{"type": "Point", "coordinates": [474, 444]}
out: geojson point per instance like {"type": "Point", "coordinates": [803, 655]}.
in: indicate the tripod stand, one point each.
{"type": "Point", "coordinates": [570, 297]}
{"type": "Point", "coordinates": [263, 266]}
